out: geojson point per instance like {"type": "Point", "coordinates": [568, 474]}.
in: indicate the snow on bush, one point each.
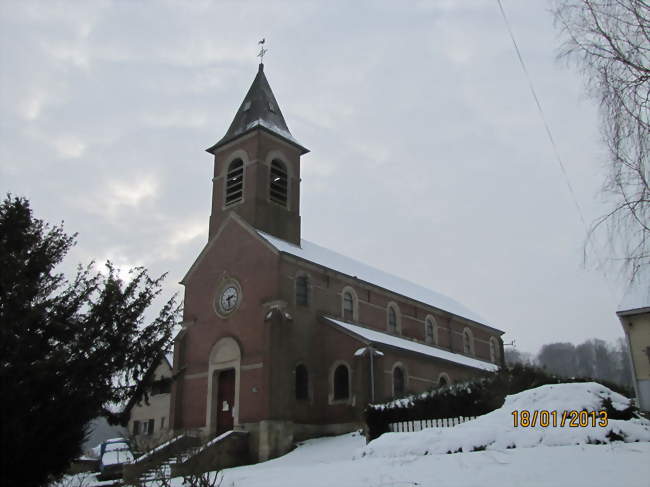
{"type": "Point", "coordinates": [496, 430]}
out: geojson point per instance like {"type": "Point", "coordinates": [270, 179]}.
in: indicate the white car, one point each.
{"type": "Point", "coordinates": [114, 453]}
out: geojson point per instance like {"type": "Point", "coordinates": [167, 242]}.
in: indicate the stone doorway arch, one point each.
{"type": "Point", "coordinates": [225, 355]}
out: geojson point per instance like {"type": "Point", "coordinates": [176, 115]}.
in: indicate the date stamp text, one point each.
{"type": "Point", "coordinates": [553, 419]}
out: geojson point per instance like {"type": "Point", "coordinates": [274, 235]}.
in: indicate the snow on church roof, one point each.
{"type": "Point", "coordinates": [345, 265]}
{"type": "Point", "coordinates": [375, 336]}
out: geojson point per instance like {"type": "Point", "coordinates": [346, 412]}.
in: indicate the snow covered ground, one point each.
{"type": "Point", "coordinates": [327, 462]}
{"type": "Point", "coordinates": [560, 456]}
{"type": "Point", "coordinates": [497, 431]}
{"type": "Point", "coordinates": [543, 456]}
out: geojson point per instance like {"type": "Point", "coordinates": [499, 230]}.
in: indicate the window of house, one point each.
{"type": "Point", "coordinates": [302, 383]}
{"type": "Point", "coordinates": [429, 331]}
{"type": "Point", "coordinates": [443, 380]}
{"type": "Point", "coordinates": [150, 426]}
{"type": "Point", "coordinates": [278, 185]}
{"type": "Point", "coordinates": [392, 320]}
{"type": "Point", "coordinates": [348, 306]}
{"type": "Point", "coordinates": [235, 182]}
{"type": "Point", "coordinates": [162, 423]}
{"type": "Point", "coordinates": [136, 428]}
{"type": "Point", "coordinates": [161, 386]}
{"type": "Point", "coordinates": [398, 381]}
{"type": "Point", "coordinates": [302, 290]}
{"type": "Point", "coordinates": [341, 382]}
{"type": "Point", "coordinates": [467, 341]}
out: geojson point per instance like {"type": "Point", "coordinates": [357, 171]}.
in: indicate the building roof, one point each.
{"type": "Point", "coordinates": [169, 356]}
{"type": "Point", "coordinates": [637, 297]}
{"type": "Point", "coordinates": [345, 265]}
{"type": "Point", "coordinates": [378, 337]}
{"type": "Point", "coordinates": [259, 109]}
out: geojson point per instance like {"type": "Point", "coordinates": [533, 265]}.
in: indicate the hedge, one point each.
{"type": "Point", "coordinates": [472, 398]}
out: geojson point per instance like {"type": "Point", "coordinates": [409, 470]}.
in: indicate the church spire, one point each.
{"type": "Point", "coordinates": [257, 168]}
{"type": "Point", "coordinates": [258, 110]}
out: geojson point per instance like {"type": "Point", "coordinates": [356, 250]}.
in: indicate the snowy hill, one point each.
{"type": "Point", "coordinates": [497, 430]}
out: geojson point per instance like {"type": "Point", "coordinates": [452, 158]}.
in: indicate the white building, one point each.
{"type": "Point", "coordinates": [634, 313]}
{"type": "Point", "coordinates": [149, 421]}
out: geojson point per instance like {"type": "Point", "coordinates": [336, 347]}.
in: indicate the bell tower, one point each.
{"type": "Point", "coordinates": [257, 167]}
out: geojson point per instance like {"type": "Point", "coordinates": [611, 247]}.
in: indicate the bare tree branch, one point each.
{"type": "Point", "coordinates": [609, 41]}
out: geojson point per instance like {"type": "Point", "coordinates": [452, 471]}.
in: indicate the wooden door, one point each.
{"type": "Point", "coordinates": [225, 400]}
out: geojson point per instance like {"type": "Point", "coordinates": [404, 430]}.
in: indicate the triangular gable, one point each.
{"type": "Point", "coordinates": [235, 219]}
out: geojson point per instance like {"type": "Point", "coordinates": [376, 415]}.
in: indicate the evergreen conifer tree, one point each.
{"type": "Point", "coordinates": [70, 350]}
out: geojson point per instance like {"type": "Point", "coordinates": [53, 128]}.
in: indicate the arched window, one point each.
{"type": "Point", "coordinates": [398, 381]}
{"type": "Point", "coordinates": [430, 332]}
{"type": "Point", "coordinates": [302, 382]}
{"type": "Point", "coordinates": [443, 380]}
{"type": "Point", "coordinates": [468, 342]}
{"type": "Point", "coordinates": [278, 184]}
{"type": "Point", "coordinates": [235, 182]}
{"type": "Point", "coordinates": [494, 350]}
{"type": "Point", "coordinates": [302, 290]}
{"type": "Point", "coordinates": [341, 382]}
{"type": "Point", "coordinates": [393, 321]}
{"type": "Point", "coordinates": [348, 305]}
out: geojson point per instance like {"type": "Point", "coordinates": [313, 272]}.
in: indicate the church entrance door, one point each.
{"type": "Point", "coordinates": [225, 400]}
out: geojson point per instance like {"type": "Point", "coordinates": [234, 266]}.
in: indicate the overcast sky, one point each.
{"type": "Point", "coordinates": [428, 157]}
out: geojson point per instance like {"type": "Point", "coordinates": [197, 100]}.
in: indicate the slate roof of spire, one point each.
{"type": "Point", "coordinates": [259, 109]}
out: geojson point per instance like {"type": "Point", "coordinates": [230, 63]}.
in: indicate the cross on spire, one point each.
{"type": "Point", "coordinates": [262, 50]}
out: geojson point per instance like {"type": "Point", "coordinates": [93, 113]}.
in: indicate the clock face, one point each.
{"type": "Point", "coordinates": [229, 298]}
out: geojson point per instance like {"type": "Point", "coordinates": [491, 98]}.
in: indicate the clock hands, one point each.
{"type": "Point", "coordinates": [228, 300]}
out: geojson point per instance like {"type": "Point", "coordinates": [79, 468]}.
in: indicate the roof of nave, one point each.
{"type": "Point", "coordinates": [377, 337]}
{"type": "Point", "coordinates": [345, 265]}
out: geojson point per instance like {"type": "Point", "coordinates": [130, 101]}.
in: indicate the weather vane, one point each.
{"type": "Point", "coordinates": [262, 51]}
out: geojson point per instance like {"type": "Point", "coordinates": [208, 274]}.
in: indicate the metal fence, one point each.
{"type": "Point", "coordinates": [420, 424]}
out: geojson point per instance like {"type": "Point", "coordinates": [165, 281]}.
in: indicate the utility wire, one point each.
{"type": "Point", "coordinates": [543, 117]}
{"type": "Point", "coordinates": [574, 198]}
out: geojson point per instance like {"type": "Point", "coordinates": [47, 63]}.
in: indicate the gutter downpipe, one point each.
{"type": "Point", "coordinates": [372, 374]}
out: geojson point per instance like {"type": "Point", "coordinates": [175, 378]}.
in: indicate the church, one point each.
{"type": "Point", "coordinates": [284, 339]}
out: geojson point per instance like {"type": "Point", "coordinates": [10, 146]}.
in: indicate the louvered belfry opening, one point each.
{"type": "Point", "coordinates": [278, 187]}
{"type": "Point", "coordinates": [235, 182]}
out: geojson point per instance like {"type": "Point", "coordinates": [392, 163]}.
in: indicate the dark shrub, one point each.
{"type": "Point", "coordinates": [473, 398]}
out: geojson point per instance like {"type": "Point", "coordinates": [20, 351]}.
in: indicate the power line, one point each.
{"type": "Point", "coordinates": [556, 152]}
{"type": "Point", "coordinates": [543, 117]}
